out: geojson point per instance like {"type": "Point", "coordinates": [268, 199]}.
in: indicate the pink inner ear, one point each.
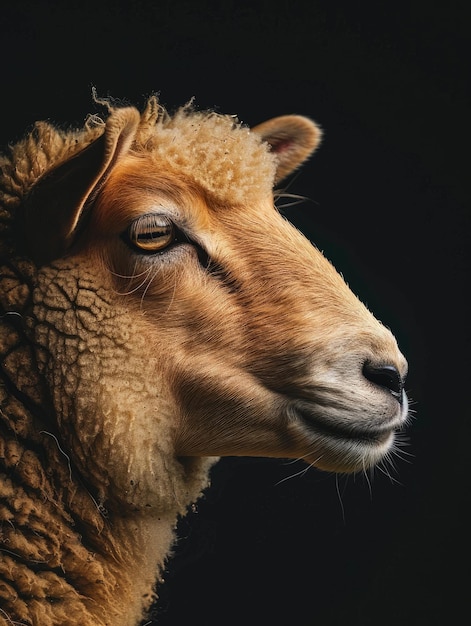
{"type": "Point", "coordinates": [281, 145]}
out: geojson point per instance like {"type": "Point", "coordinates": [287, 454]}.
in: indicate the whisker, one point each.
{"type": "Point", "coordinates": [302, 472]}
{"type": "Point", "coordinates": [368, 475]}
{"type": "Point", "coordinates": [292, 461]}
{"type": "Point", "coordinates": [339, 495]}
{"type": "Point", "coordinates": [173, 293]}
{"type": "Point", "coordinates": [150, 279]}
{"type": "Point", "coordinates": [128, 276]}
{"type": "Point", "coordinates": [383, 468]}
{"type": "Point", "coordinates": [296, 199]}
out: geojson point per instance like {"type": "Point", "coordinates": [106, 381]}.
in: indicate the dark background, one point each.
{"type": "Point", "coordinates": [389, 205]}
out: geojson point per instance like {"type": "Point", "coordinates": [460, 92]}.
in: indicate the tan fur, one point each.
{"type": "Point", "coordinates": [125, 375]}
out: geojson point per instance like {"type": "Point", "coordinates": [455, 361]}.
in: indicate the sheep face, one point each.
{"type": "Point", "coordinates": [183, 318]}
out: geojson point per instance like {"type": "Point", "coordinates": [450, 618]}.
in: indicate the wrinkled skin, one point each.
{"type": "Point", "coordinates": [158, 312]}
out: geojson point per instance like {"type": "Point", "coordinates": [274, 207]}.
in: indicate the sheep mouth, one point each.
{"type": "Point", "coordinates": [338, 432]}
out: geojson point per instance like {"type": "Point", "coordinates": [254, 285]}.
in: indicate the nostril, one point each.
{"type": "Point", "coordinates": [386, 376]}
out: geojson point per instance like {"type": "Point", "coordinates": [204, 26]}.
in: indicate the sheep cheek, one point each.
{"type": "Point", "coordinates": [118, 426]}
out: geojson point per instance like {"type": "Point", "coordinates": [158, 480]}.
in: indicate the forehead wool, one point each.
{"type": "Point", "coordinates": [215, 151]}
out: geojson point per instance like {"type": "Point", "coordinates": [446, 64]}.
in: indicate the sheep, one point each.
{"type": "Point", "coordinates": [157, 313]}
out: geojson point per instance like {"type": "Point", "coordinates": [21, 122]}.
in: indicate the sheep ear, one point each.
{"type": "Point", "coordinates": [59, 202]}
{"type": "Point", "coordinates": [293, 138]}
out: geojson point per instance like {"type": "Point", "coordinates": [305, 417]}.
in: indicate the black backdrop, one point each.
{"type": "Point", "coordinates": [389, 205]}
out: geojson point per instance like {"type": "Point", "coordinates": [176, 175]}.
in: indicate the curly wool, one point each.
{"type": "Point", "coordinates": [215, 151]}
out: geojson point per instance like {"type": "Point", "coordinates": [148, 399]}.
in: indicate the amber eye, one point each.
{"type": "Point", "coordinates": [151, 233]}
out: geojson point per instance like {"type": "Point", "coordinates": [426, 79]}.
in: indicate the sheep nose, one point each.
{"type": "Point", "coordinates": [387, 377]}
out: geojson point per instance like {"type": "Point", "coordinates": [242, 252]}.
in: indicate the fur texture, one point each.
{"type": "Point", "coordinates": [156, 313]}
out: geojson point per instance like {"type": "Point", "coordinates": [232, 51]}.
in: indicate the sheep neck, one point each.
{"type": "Point", "coordinates": [59, 548]}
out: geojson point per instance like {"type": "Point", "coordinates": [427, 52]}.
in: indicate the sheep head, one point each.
{"type": "Point", "coordinates": [179, 317]}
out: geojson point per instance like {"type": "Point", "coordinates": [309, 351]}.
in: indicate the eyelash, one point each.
{"type": "Point", "coordinates": [152, 234]}
{"type": "Point", "coordinates": [143, 236]}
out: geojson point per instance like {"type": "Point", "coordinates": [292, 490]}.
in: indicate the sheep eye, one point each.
{"type": "Point", "coordinates": [151, 233]}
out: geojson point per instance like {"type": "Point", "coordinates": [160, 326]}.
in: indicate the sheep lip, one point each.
{"type": "Point", "coordinates": [321, 427]}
